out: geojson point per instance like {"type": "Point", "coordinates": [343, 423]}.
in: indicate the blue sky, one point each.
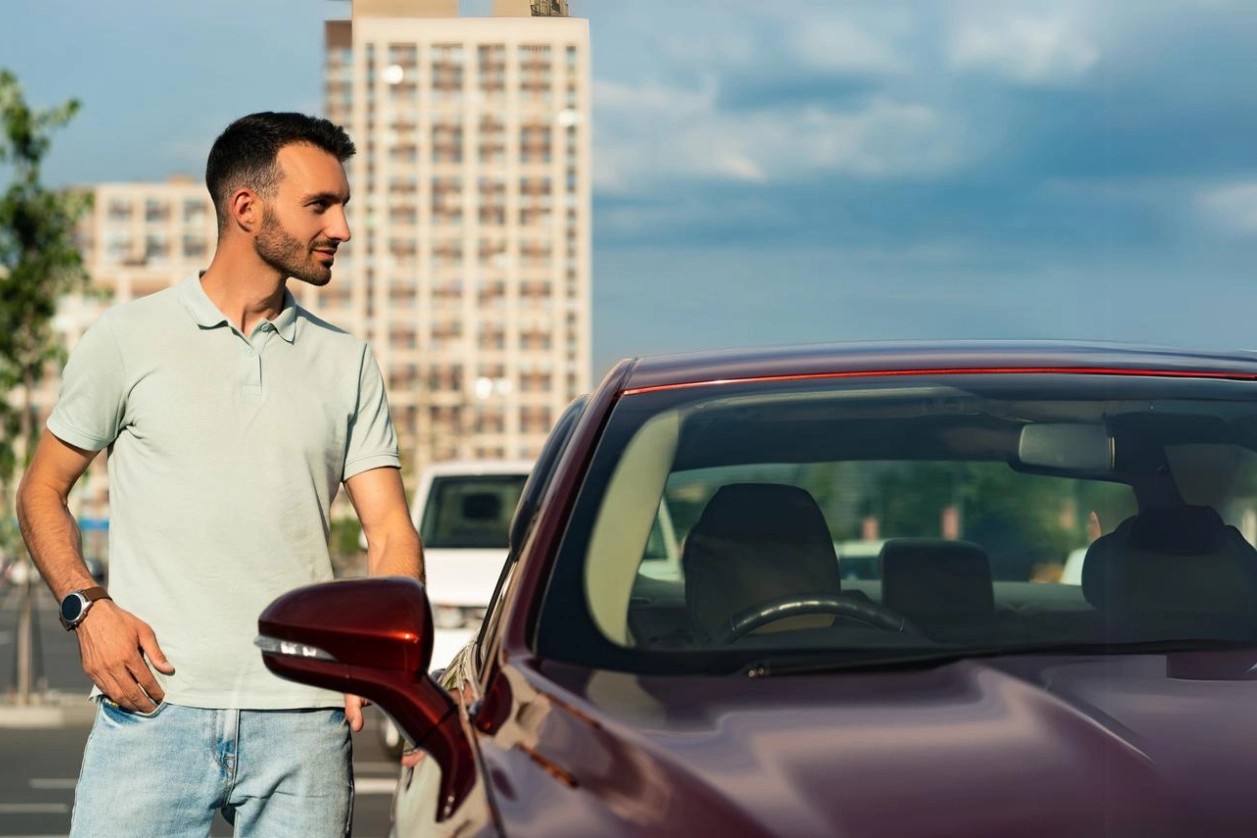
{"type": "Point", "coordinates": [817, 170]}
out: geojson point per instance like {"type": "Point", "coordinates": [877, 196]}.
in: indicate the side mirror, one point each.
{"type": "Point", "coordinates": [372, 638]}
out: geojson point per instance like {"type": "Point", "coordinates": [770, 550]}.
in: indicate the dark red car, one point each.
{"type": "Point", "coordinates": [870, 590]}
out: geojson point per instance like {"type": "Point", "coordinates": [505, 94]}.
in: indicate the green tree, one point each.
{"type": "Point", "coordinates": [1018, 518]}
{"type": "Point", "coordinates": [39, 264]}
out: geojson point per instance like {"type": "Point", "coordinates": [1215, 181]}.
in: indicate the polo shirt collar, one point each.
{"type": "Point", "coordinates": [199, 305]}
{"type": "Point", "coordinates": [285, 322]}
{"type": "Point", "coordinates": [208, 316]}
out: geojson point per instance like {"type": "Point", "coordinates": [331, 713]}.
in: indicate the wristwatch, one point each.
{"type": "Point", "coordinates": [74, 606]}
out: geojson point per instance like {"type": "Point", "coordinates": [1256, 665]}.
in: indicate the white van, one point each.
{"type": "Point", "coordinates": [463, 511]}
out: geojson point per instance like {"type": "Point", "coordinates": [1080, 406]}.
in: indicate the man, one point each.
{"type": "Point", "coordinates": [231, 415]}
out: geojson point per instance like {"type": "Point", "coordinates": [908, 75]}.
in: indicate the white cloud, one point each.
{"type": "Point", "coordinates": [807, 36]}
{"type": "Point", "coordinates": [650, 134]}
{"type": "Point", "coordinates": [1026, 43]}
{"type": "Point", "coordinates": [841, 45]}
{"type": "Point", "coordinates": [1234, 206]}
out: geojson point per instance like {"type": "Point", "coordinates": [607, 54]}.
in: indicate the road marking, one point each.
{"type": "Point", "coordinates": [374, 785]}
{"type": "Point", "coordinates": [45, 784]}
{"type": "Point", "coordinates": [34, 808]}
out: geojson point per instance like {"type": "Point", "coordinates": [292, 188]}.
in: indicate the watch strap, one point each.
{"type": "Point", "coordinates": [88, 596]}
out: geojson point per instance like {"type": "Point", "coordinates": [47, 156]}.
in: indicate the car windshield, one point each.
{"type": "Point", "coordinates": [470, 511]}
{"type": "Point", "coordinates": [877, 519]}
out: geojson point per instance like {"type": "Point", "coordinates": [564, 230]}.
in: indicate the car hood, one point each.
{"type": "Point", "coordinates": [1030, 745]}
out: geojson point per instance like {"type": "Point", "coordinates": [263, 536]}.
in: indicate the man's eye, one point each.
{"type": "Point", "coordinates": [320, 206]}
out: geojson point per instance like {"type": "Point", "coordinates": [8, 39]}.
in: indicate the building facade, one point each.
{"type": "Point", "coordinates": [143, 237]}
{"type": "Point", "coordinates": [469, 268]}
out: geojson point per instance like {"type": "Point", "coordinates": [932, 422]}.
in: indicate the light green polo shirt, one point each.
{"type": "Point", "coordinates": [225, 452]}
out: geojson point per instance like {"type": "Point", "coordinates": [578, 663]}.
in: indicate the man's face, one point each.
{"type": "Point", "coordinates": [305, 222]}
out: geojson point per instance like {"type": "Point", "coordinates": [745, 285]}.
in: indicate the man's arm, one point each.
{"type": "Point", "coordinates": [393, 547]}
{"type": "Point", "coordinates": [111, 640]}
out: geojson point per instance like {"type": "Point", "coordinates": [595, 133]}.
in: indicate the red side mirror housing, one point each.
{"type": "Point", "coordinates": [373, 638]}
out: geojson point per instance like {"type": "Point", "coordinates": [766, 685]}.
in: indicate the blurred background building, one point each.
{"type": "Point", "coordinates": [470, 267]}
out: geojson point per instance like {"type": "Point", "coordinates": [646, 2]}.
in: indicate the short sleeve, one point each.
{"type": "Point", "coordinates": [372, 440]}
{"type": "Point", "coordinates": [90, 408]}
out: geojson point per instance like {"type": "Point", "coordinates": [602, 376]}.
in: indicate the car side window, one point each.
{"type": "Point", "coordinates": [529, 502]}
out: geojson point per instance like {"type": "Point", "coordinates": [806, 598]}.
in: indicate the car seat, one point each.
{"type": "Point", "coordinates": [753, 543]}
{"type": "Point", "coordinates": [1168, 568]}
{"type": "Point", "coordinates": [942, 586]}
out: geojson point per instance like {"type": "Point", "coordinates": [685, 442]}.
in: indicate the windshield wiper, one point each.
{"type": "Point", "coordinates": [872, 660]}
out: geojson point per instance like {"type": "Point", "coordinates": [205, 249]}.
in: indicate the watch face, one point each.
{"type": "Point", "coordinates": [71, 608]}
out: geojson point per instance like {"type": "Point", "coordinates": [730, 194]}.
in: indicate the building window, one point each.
{"type": "Point", "coordinates": [447, 143]}
{"type": "Point", "coordinates": [156, 249]}
{"type": "Point", "coordinates": [195, 247]}
{"type": "Point", "coordinates": [491, 69]}
{"type": "Point", "coordinates": [534, 144]}
{"type": "Point", "coordinates": [195, 212]}
{"type": "Point", "coordinates": [156, 211]}
{"type": "Point", "coordinates": [447, 200]}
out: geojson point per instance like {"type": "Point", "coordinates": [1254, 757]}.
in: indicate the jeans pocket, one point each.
{"type": "Point", "coordinates": [119, 713]}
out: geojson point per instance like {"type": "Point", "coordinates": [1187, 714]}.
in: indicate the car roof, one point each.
{"type": "Point", "coordinates": [665, 371]}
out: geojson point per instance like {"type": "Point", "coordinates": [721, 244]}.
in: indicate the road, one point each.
{"type": "Point", "coordinates": [38, 767]}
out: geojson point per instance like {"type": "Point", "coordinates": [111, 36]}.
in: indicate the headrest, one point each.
{"type": "Point", "coordinates": [1178, 529]}
{"type": "Point", "coordinates": [1172, 559]}
{"type": "Point", "coordinates": [755, 542]}
{"type": "Point", "coordinates": [931, 580]}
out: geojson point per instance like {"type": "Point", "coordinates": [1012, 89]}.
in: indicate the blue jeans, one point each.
{"type": "Point", "coordinates": [270, 772]}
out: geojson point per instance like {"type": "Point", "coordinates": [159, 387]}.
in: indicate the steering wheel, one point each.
{"type": "Point", "coordinates": [864, 611]}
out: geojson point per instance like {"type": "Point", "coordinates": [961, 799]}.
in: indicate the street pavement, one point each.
{"type": "Point", "coordinates": [39, 765]}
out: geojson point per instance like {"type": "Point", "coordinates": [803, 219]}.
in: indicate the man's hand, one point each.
{"type": "Point", "coordinates": [353, 711]}
{"type": "Point", "coordinates": [112, 645]}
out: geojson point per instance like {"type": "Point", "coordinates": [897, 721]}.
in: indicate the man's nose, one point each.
{"type": "Point", "coordinates": [339, 228]}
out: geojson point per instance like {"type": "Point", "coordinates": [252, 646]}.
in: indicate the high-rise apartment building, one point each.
{"type": "Point", "coordinates": [469, 268]}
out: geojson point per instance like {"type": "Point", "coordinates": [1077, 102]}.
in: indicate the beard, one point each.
{"type": "Point", "coordinates": [288, 255]}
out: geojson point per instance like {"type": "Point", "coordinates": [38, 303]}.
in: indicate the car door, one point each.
{"type": "Point", "coordinates": [415, 805]}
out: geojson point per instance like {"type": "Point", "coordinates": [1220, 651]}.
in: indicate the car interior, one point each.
{"type": "Point", "coordinates": [979, 497]}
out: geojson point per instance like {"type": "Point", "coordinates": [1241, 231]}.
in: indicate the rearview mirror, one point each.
{"type": "Point", "coordinates": [372, 638]}
{"type": "Point", "coordinates": [1066, 446]}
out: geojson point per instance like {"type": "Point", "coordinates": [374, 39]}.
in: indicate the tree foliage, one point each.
{"type": "Point", "coordinates": [39, 260]}
{"type": "Point", "coordinates": [1019, 519]}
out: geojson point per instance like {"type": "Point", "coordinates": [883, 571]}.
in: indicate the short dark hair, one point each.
{"type": "Point", "coordinates": [245, 153]}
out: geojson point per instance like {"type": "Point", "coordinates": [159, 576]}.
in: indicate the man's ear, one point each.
{"type": "Point", "coordinates": [245, 210]}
